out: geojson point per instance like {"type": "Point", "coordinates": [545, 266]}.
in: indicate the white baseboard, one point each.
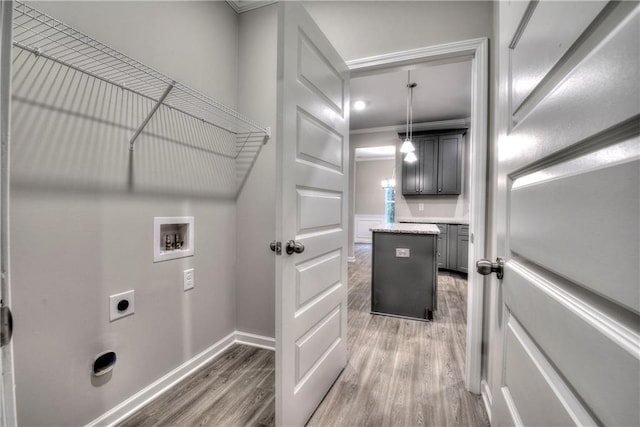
{"type": "Point", "coordinates": [256, 340]}
{"type": "Point", "coordinates": [155, 389]}
{"type": "Point", "coordinates": [485, 391]}
{"type": "Point", "coordinates": [351, 259]}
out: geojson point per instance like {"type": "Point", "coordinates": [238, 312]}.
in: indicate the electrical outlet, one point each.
{"type": "Point", "coordinates": [403, 253]}
{"type": "Point", "coordinates": [121, 305]}
{"type": "Point", "coordinates": [188, 279]}
{"type": "Point", "coordinates": [420, 207]}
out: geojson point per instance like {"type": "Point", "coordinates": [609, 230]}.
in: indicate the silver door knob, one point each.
{"type": "Point", "coordinates": [486, 267]}
{"type": "Point", "coordinates": [293, 246]}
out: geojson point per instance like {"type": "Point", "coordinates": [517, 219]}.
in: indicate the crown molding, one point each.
{"type": "Point", "coordinates": [241, 6]}
{"type": "Point", "coordinates": [442, 124]}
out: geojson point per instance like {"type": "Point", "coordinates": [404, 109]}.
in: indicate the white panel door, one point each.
{"type": "Point", "coordinates": [568, 214]}
{"type": "Point", "coordinates": [311, 286]}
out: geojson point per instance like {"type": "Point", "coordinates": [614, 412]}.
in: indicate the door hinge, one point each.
{"type": "Point", "coordinates": [6, 325]}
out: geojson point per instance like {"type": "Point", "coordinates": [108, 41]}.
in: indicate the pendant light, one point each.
{"type": "Point", "coordinates": [407, 145]}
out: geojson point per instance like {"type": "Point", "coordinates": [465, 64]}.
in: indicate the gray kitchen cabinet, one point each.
{"type": "Point", "coordinates": [404, 279]}
{"type": "Point", "coordinates": [462, 258]}
{"type": "Point", "coordinates": [452, 247]}
{"type": "Point", "coordinates": [438, 170]}
{"type": "Point", "coordinates": [441, 245]}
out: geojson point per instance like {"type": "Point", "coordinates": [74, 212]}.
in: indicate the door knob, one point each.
{"type": "Point", "coordinates": [485, 267]}
{"type": "Point", "coordinates": [293, 246]}
{"type": "Point", "coordinates": [276, 247]}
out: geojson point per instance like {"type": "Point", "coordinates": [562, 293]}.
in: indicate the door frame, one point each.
{"type": "Point", "coordinates": [8, 415]}
{"type": "Point", "coordinates": [478, 50]}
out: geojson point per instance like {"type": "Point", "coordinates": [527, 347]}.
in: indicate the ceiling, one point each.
{"type": "Point", "coordinates": [443, 93]}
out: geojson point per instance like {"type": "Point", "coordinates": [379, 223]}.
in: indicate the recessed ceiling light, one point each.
{"type": "Point", "coordinates": [359, 105]}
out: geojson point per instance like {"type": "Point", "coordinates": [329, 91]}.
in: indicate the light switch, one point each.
{"type": "Point", "coordinates": [403, 253]}
{"type": "Point", "coordinates": [420, 207]}
{"type": "Point", "coordinates": [189, 280]}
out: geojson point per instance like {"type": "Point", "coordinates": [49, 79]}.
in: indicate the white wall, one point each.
{"type": "Point", "coordinates": [79, 234]}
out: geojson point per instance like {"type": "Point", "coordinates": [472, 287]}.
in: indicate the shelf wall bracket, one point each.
{"type": "Point", "coordinates": [150, 115]}
{"type": "Point", "coordinates": [267, 135]}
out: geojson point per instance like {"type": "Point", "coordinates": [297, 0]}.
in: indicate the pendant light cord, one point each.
{"type": "Point", "coordinates": [408, 136]}
{"type": "Point", "coordinates": [410, 87]}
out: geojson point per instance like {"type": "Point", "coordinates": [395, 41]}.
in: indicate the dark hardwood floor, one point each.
{"type": "Point", "coordinates": [400, 373]}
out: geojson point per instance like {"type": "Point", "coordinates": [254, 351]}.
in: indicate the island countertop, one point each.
{"type": "Point", "coordinates": [406, 228]}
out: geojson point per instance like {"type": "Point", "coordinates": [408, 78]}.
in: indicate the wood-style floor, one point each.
{"type": "Point", "coordinates": [400, 372]}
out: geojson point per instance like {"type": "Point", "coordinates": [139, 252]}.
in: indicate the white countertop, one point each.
{"type": "Point", "coordinates": [406, 228]}
{"type": "Point", "coordinates": [433, 220]}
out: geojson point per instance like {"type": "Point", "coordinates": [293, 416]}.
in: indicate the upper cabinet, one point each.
{"type": "Point", "coordinates": [438, 170]}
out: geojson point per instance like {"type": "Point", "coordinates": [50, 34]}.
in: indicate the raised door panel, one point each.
{"type": "Point", "coordinates": [428, 159]}
{"type": "Point", "coordinates": [449, 164]}
{"type": "Point", "coordinates": [547, 38]}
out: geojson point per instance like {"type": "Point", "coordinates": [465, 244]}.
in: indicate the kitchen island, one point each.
{"type": "Point", "coordinates": [404, 270]}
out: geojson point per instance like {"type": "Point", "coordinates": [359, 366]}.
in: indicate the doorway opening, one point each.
{"type": "Point", "coordinates": [373, 166]}
{"type": "Point", "coordinates": [477, 52]}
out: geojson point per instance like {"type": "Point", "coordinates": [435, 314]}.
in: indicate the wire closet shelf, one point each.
{"type": "Point", "coordinates": [43, 36]}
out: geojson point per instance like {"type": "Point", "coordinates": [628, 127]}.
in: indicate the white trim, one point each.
{"type": "Point", "coordinates": [8, 412]}
{"type": "Point", "coordinates": [478, 49]}
{"type": "Point", "coordinates": [351, 259]}
{"type": "Point", "coordinates": [424, 54]}
{"type": "Point", "coordinates": [241, 6]}
{"type": "Point", "coordinates": [256, 340]}
{"type": "Point", "coordinates": [366, 221]}
{"type": "Point", "coordinates": [374, 159]}
{"type": "Point", "coordinates": [487, 398]}
{"type": "Point", "coordinates": [440, 124]}
{"type": "Point", "coordinates": [148, 394]}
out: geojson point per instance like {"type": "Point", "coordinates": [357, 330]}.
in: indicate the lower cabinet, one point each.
{"type": "Point", "coordinates": [462, 256]}
{"type": "Point", "coordinates": [458, 248]}
{"type": "Point", "coordinates": [452, 247]}
{"type": "Point", "coordinates": [441, 246]}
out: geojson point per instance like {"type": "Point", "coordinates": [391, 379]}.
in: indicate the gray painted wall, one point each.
{"type": "Point", "coordinates": [256, 204]}
{"type": "Point", "coordinates": [369, 195]}
{"type": "Point", "coordinates": [79, 235]}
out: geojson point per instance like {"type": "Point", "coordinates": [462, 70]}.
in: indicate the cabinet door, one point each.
{"type": "Point", "coordinates": [449, 164]}
{"type": "Point", "coordinates": [428, 159]}
{"type": "Point", "coordinates": [463, 254]}
{"type": "Point", "coordinates": [452, 248]}
{"type": "Point", "coordinates": [411, 177]}
{"type": "Point", "coordinates": [441, 246]}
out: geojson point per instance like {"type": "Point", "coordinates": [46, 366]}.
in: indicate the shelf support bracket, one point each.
{"type": "Point", "coordinates": [150, 115]}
